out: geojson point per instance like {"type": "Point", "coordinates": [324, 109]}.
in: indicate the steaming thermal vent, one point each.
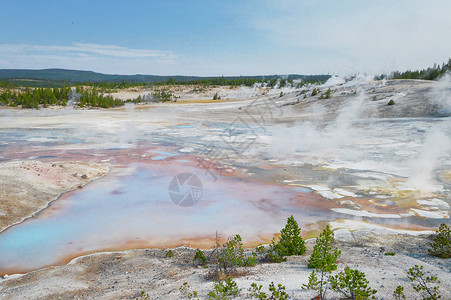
{"type": "Point", "coordinates": [436, 149]}
{"type": "Point", "coordinates": [353, 132]}
{"type": "Point", "coordinates": [74, 98]}
{"type": "Point", "coordinates": [441, 94]}
{"type": "Point", "coordinates": [127, 136]}
{"type": "Point", "coordinates": [310, 136]}
{"type": "Point", "coordinates": [437, 145]}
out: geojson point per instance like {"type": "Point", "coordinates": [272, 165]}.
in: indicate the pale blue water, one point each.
{"type": "Point", "coordinates": [127, 211]}
{"type": "Point", "coordinates": [165, 153]}
{"type": "Point", "coordinates": [160, 157]}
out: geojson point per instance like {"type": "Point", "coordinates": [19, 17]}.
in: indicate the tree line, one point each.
{"type": "Point", "coordinates": [433, 73]}
{"type": "Point", "coordinates": [80, 96]}
{"type": "Point", "coordinates": [110, 86]}
{"type": "Point", "coordinates": [37, 97]}
{"type": "Point", "coordinates": [33, 98]}
{"type": "Point", "coordinates": [94, 98]}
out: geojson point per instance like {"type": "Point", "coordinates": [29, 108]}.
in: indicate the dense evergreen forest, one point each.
{"type": "Point", "coordinates": [94, 98]}
{"type": "Point", "coordinates": [34, 98]}
{"type": "Point", "coordinates": [427, 74]}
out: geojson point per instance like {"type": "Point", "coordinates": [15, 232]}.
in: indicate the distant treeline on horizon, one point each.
{"type": "Point", "coordinates": [10, 78]}
{"type": "Point", "coordinates": [432, 73]}
{"type": "Point", "coordinates": [62, 77]}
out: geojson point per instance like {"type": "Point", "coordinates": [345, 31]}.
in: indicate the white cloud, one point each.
{"type": "Point", "coordinates": [358, 35]}
{"type": "Point", "coordinates": [102, 58]}
{"type": "Point", "coordinates": [81, 49]}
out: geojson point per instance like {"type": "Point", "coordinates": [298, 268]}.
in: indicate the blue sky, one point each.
{"type": "Point", "coordinates": [225, 37]}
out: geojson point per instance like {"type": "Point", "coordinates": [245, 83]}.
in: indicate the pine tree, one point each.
{"type": "Point", "coordinates": [441, 245]}
{"type": "Point", "coordinates": [291, 242]}
{"type": "Point", "coordinates": [327, 94]}
{"type": "Point", "coordinates": [427, 286]}
{"type": "Point", "coordinates": [325, 254]}
{"type": "Point", "coordinates": [323, 260]}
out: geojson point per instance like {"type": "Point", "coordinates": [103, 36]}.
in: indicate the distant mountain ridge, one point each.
{"type": "Point", "coordinates": [90, 76]}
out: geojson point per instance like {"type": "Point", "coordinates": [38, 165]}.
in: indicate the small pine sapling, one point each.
{"type": "Point", "coordinates": [398, 294]}
{"type": "Point", "coordinates": [427, 286]}
{"type": "Point", "coordinates": [352, 284]}
{"type": "Point", "coordinates": [323, 260]}
{"type": "Point", "coordinates": [199, 258]}
{"type": "Point", "coordinates": [222, 290]}
{"type": "Point", "coordinates": [441, 245]}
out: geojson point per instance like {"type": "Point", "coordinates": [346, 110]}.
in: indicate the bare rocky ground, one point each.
{"type": "Point", "coordinates": [123, 275]}
{"type": "Point", "coordinates": [412, 99]}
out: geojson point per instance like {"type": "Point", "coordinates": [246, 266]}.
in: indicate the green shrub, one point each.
{"type": "Point", "coordinates": [314, 92]}
{"type": "Point", "coordinates": [249, 261]}
{"type": "Point", "coordinates": [281, 95]}
{"type": "Point", "coordinates": [273, 254]}
{"type": "Point", "coordinates": [352, 284]}
{"type": "Point", "coordinates": [200, 258]}
{"type": "Point", "coordinates": [163, 95]}
{"type": "Point", "coordinates": [391, 102]}
{"type": "Point", "coordinates": [390, 253]}
{"type": "Point", "coordinates": [216, 97]}
{"type": "Point", "coordinates": [427, 286]}
{"type": "Point", "coordinates": [441, 245]}
{"type": "Point", "coordinates": [169, 254]}
{"type": "Point", "coordinates": [143, 296]}
{"type": "Point", "coordinates": [270, 254]}
{"type": "Point", "coordinates": [222, 290]}
{"type": "Point", "coordinates": [276, 293]}
{"type": "Point", "coordinates": [398, 294]}
{"type": "Point", "coordinates": [186, 292]}
{"type": "Point", "coordinates": [255, 291]}
{"type": "Point", "coordinates": [259, 252]}
{"type": "Point", "coordinates": [231, 255]}
{"type": "Point", "coordinates": [327, 94]}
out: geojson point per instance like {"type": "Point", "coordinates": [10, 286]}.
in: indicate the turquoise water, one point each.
{"type": "Point", "coordinates": [163, 155]}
